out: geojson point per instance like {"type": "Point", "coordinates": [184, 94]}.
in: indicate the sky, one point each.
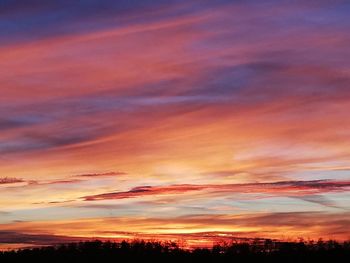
{"type": "Point", "coordinates": [196, 121]}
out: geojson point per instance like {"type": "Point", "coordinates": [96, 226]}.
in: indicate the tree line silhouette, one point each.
{"type": "Point", "coordinates": [147, 251]}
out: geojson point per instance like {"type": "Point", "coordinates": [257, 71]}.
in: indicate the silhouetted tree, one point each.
{"type": "Point", "coordinates": [147, 251]}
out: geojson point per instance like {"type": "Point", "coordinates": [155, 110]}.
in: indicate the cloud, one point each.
{"type": "Point", "coordinates": [101, 174]}
{"type": "Point", "coordinates": [13, 237]}
{"type": "Point", "coordinates": [145, 191]}
{"type": "Point", "coordinates": [37, 183]}
{"type": "Point", "coordinates": [232, 79]}
{"type": "Point", "coordinates": [319, 199]}
{"type": "Point", "coordinates": [68, 181]}
{"type": "Point", "coordinates": [276, 188]}
{"type": "Point", "coordinates": [10, 180]}
{"type": "Point", "coordinates": [285, 226]}
{"type": "Point", "coordinates": [67, 18]}
{"type": "Point", "coordinates": [256, 92]}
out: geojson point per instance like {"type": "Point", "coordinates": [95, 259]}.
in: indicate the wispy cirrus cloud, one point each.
{"type": "Point", "coordinates": [74, 179]}
{"type": "Point", "coordinates": [278, 188]}
{"type": "Point", "coordinates": [10, 180]}
{"type": "Point", "coordinates": [13, 237]}
{"type": "Point", "coordinates": [203, 226]}
{"type": "Point", "coordinates": [107, 174]}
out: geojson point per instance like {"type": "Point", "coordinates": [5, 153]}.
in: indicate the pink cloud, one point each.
{"type": "Point", "coordinates": [276, 188]}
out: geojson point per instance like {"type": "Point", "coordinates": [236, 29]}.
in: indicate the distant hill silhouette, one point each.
{"type": "Point", "coordinates": [142, 251]}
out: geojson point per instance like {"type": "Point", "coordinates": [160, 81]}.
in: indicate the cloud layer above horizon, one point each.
{"type": "Point", "coordinates": [197, 116]}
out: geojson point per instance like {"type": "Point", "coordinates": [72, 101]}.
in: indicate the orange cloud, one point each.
{"type": "Point", "coordinates": [195, 229]}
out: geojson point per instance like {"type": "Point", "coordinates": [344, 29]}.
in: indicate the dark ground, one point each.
{"type": "Point", "coordinates": [142, 251]}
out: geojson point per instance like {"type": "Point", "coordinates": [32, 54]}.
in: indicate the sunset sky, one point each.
{"type": "Point", "coordinates": [184, 120]}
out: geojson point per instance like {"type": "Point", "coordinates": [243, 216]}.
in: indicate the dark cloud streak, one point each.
{"type": "Point", "coordinates": [281, 188]}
